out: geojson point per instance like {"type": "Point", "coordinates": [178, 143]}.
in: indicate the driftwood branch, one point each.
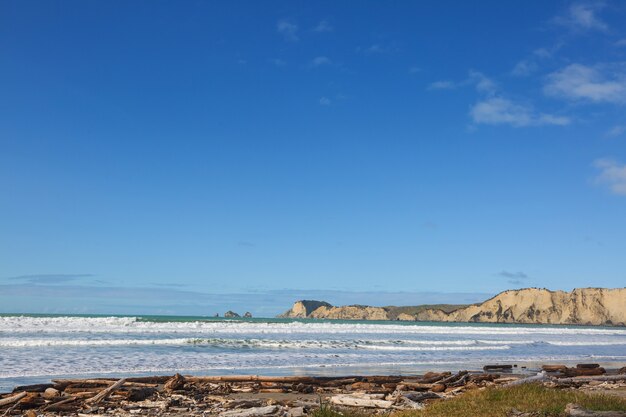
{"type": "Point", "coordinates": [12, 399]}
{"type": "Point", "coordinates": [106, 392]}
{"type": "Point", "coordinates": [577, 411]}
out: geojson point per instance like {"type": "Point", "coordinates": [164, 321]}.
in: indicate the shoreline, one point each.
{"type": "Point", "coordinates": [291, 396]}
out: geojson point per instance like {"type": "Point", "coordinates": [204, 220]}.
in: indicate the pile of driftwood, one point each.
{"type": "Point", "coordinates": [235, 396]}
{"type": "Point", "coordinates": [257, 396]}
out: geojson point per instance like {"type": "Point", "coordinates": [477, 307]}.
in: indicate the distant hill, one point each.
{"type": "Point", "coordinates": [324, 310]}
{"type": "Point", "coordinates": [585, 306]}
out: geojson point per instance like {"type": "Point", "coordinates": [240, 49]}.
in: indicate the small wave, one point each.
{"type": "Point", "coordinates": [260, 344]}
{"type": "Point", "coordinates": [130, 325]}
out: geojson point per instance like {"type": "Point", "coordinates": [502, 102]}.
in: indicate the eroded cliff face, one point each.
{"type": "Point", "coordinates": [588, 306]}
{"type": "Point", "coordinates": [351, 313]}
{"type": "Point", "coordinates": [593, 306]}
{"type": "Point", "coordinates": [302, 309]}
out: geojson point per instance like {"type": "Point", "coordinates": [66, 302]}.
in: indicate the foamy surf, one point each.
{"type": "Point", "coordinates": [47, 345]}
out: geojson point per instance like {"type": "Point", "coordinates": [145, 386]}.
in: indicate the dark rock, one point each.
{"type": "Point", "coordinates": [231, 314]}
{"type": "Point", "coordinates": [248, 315]}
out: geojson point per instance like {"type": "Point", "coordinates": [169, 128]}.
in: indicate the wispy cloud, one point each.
{"type": "Point", "coordinates": [323, 26]}
{"type": "Point", "coordinates": [501, 111]}
{"type": "Point", "coordinates": [50, 278]}
{"type": "Point", "coordinates": [515, 278]}
{"type": "Point", "coordinates": [621, 42]}
{"type": "Point", "coordinates": [171, 300]}
{"type": "Point", "coordinates": [320, 61]}
{"type": "Point", "coordinates": [595, 84]}
{"type": "Point", "coordinates": [325, 101]}
{"type": "Point", "coordinates": [524, 68]}
{"type": "Point", "coordinates": [616, 131]}
{"type": "Point", "coordinates": [612, 174]}
{"type": "Point", "coordinates": [583, 17]}
{"type": "Point", "coordinates": [288, 30]}
{"type": "Point", "coordinates": [414, 70]}
{"type": "Point", "coordinates": [482, 83]}
{"type": "Point", "coordinates": [442, 85]}
{"type": "Point", "coordinates": [378, 48]}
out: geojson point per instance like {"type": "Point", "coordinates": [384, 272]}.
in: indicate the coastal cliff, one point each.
{"type": "Point", "coordinates": [584, 306]}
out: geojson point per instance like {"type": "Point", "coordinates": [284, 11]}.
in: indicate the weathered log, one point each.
{"type": "Point", "coordinates": [588, 365]}
{"type": "Point", "coordinates": [55, 406]}
{"type": "Point", "coordinates": [454, 377]}
{"type": "Point", "coordinates": [484, 377]}
{"type": "Point", "coordinates": [99, 382]}
{"type": "Point", "coordinates": [251, 412]}
{"type": "Point", "coordinates": [12, 399]}
{"type": "Point", "coordinates": [421, 396]}
{"type": "Point", "coordinates": [353, 401]}
{"type": "Point", "coordinates": [497, 367]}
{"type": "Point", "coordinates": [33, 388]}
{"type": "Point", "coordinates": [571, 372]}
{"type": "Point", "coordinates": [574, 410]}
{"type": "Point", "coordinates": [416, 386]}
{"type": "Point", "coordinates": [553, 368]}
{"type": "Point", "coordinates": [540, 377]}
{"type": "Point", "coordinates": [106, 392]}
{"type": "Point", "coordinates": [586, 379]}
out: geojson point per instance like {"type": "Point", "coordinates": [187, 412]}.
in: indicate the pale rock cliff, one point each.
{"type": "Point", "coordinates": [302, 309]}
{"type": "Point", "coordinates": [350, 313]}
{"type": "Point", "coordinates": [585, 306]}
{"type": "Point", "coordinates": [591, 306]}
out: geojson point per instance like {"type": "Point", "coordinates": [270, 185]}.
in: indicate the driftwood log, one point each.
{"type": "Point", "coordinates": [577, 411]}
{"type": "Point", "coordinates": [106, 392]}
{"type": "Point", "coordinates": [12, 399]}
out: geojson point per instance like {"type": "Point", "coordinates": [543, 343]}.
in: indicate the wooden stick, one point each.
{"type": "Point", "coordinates": [577, 411]}
{"type": "Point", "coordinates": [12, 399]}
{"type": "Point", "coordinates": [584, 379]}
{"type": "Point", "coordinates": [65, 401]}
{"type": "Point", "coordinates": [67, 382]}
{"type": "Point", "coordinates": [105, 393]}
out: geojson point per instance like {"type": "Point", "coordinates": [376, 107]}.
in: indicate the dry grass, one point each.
{"type": "Point", "coordinates": [498, 402]}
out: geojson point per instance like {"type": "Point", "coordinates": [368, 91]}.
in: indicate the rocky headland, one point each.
{"type": "Point", "coordinates": [582, 306]}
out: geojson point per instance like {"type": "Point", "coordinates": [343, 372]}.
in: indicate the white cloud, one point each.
{"type": "Point", "coordinates": [616, 130]}
{"type": "Point", "coordinates": [483, 83]}
{"type": "Point", "coordinates": [325, 101]}
{"type": "Point", "coordinates": [580, 82]}
{"type": "Point", "coordinates": [321, 60]}
{"type": "Point", "coordinates": [621, 42]}
{"type": "Point", "coordinates": [501, 111]}
{"type": "Point", "coordinates": [524, 68]}
{"type": "Point", "coordinates": [414, 70]}
{"type": "Point", "coordinates": [323, 26]}
{"type": "Point", "coordinates": [612, 174]}
{"type": "Point", "coordinates": [583, 16]}
{"type": "Point", "coordinates": [442, 85]}
{"type": "Point", "coordinates": [288, 30]}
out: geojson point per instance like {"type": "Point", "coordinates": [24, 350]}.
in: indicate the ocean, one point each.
{"type": "Point", "coordinates": [37, 348]}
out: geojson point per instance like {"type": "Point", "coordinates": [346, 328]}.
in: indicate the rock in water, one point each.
{"type": "Point", "coordinates": [248, 315]}
{"type": "Point", "coordinates": [231, 314]}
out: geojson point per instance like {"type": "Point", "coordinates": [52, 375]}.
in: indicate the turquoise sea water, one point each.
{"type": "Point", "coordinates": [35, 348]}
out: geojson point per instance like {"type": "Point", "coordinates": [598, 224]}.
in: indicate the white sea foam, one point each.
{"type": "Point", "coordinates": [14, 324]}
{"type": "Point", "coordinates": [82, 345]}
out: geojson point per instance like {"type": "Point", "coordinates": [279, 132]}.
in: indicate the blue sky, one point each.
{"type": "Point", "coordinates": [193, 157]}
